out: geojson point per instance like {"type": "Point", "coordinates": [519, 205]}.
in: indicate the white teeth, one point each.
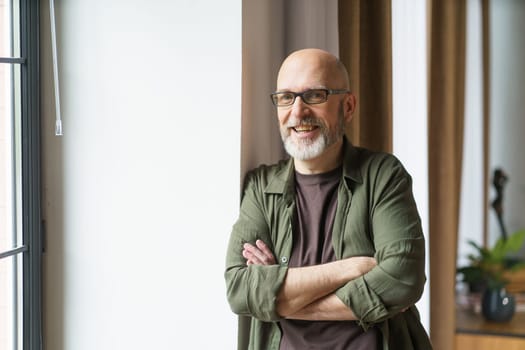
{"type": "Point", "coordinates": [304, 128]}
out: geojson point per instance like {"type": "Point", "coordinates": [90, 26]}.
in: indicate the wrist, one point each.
{"type": "Point", "coordinates": [358, 266]}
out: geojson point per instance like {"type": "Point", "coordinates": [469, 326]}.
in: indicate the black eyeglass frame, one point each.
{"type": "Point", "coordinates": [301, 94]}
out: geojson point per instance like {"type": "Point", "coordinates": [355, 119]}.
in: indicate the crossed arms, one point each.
{"type": "Point", "coordinates": [307, 292]}
{"type": "Point", "coordinates": [382, 213]}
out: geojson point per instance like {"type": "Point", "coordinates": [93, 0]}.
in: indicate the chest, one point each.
{"type": "Point", "coordinates": [352, 231]}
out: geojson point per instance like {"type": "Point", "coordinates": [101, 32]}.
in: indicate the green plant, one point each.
{"type": "Point", "coordinates": [488, 266]}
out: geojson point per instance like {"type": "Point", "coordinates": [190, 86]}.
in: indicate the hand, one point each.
{"type": "Point", "coordinates": [259, 254]}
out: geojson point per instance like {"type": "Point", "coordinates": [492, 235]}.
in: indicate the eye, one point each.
{"type": "Point", "coordinates": [285, 98]}
{"type": "Point", "coordinates": [315, 96]}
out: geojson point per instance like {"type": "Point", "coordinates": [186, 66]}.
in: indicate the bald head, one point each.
{"type": "Point", "coordinates": [312, 67]}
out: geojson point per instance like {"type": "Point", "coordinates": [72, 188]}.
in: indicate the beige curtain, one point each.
{"type": "Point", "coordinates": [446, 110]}
{"type": "Point", "coordinates": [365, 47]}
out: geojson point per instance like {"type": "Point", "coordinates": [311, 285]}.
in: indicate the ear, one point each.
{"type": "Point", "coordinates": [350, 104]}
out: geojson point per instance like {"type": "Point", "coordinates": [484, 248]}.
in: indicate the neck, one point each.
{"type": "Point", "coordinates": [331, 158]}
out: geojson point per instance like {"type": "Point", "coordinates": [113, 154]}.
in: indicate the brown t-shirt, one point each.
{"type": "Point", "coordinates": [316, 202]}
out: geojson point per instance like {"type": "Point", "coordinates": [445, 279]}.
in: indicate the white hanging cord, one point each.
{"type": "Point", "coordinates": [58, 121]}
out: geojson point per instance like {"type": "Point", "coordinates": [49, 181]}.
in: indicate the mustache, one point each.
{"type": "Point", "coordinates": [308, 121]}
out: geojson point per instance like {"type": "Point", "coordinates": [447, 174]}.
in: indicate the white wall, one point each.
{"type": "Point", "coordinates": [141, 191]}
{"type": "Point", "coordinates": [409, 85]}
{"type": "Point", "coordinates": [507, 125]}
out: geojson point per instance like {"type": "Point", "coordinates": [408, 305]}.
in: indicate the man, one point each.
{"type": "Point", "coordinates": [328, 251]}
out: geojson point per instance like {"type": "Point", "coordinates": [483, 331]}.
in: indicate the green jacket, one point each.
{"type": "Point", "coordinates": [376, 216]}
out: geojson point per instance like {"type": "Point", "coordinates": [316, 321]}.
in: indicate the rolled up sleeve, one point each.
{"type": "Point", "coordinates": [398, 280]}
{"type": "Point", "coordinates": [394, 284]}
{"type": "Point", "coordinates": [251, 290]}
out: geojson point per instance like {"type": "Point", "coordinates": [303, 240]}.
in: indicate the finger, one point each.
{"type": "Point", "coordinates": [258, 256]}
{"type": "Point", "coordinates": [256, 252]}
{"type": "Point", "coordinates": [252, 258]}
{"type": "Point", "coordinates": [264, 248]}
{"type": "Point", "coordinates": [261, 245]}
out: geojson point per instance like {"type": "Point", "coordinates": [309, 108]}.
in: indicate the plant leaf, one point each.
{"type": "Point", "coordinates": [515, 241]}
{"type": "Point", "coordinates": [504, 247]}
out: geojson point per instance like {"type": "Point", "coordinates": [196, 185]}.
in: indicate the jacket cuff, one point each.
{"type": "Point", "coordinates": [364, 303]}
{"type": "Point", "coordinates": [264, 283]}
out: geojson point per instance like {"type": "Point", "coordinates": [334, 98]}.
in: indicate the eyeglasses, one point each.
{"type": "Point", "coordinates": [311, 97]}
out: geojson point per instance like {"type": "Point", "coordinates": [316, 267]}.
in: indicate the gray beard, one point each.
{"type": "Point", "coordinates": [310, 149]}
{"type": "Point", "coordinates": [307, 149]}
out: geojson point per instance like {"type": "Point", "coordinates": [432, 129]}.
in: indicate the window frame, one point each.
{"type": "Point", "coordinates": [31, 247]}
{"type": "Point", "coordinates": [31, 174]}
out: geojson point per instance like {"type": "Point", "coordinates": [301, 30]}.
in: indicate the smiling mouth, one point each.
{"type": "Point", "coordinates": [305, 128]}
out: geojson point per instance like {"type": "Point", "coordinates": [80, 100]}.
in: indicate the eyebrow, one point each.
{"type": "Point", "coordinates": [320, 87]}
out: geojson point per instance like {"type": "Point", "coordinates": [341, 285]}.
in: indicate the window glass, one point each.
{"type": "Point", "coordinates": [10, 307]}
{"type": "Point", "coordinates": [9, 28]}
{"type": "Point", "coordinates": [9, 155]}
{"type": "Point", "coordinates": [11, 264]}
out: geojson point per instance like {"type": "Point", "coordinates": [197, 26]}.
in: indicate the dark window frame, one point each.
{"type": "Point", "coordinates": [31, 246]}
{"type": "Point", "coordinates": [31, 174]}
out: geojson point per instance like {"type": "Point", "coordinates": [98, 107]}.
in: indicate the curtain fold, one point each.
{"type": "Point", "coordinates": [365, 48]}
{"type": "Point", "coordinates": [446, 120]}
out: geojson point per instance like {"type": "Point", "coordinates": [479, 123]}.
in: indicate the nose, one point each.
{"type": "Point", "coordinates": [300, 109]}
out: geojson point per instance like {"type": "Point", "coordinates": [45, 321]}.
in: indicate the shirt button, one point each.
{"type": "Point", "coordinates": [284, 259]}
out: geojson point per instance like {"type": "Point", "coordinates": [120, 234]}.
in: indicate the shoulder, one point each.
{"type": "Point", "coordinates": [373, 165]}
{"type": "Point", "coordinates": [267, 171]}
{"type": "Point", "coordinates": [380, 160]}
{"type": "Point", "coordinates": [276, 174]}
